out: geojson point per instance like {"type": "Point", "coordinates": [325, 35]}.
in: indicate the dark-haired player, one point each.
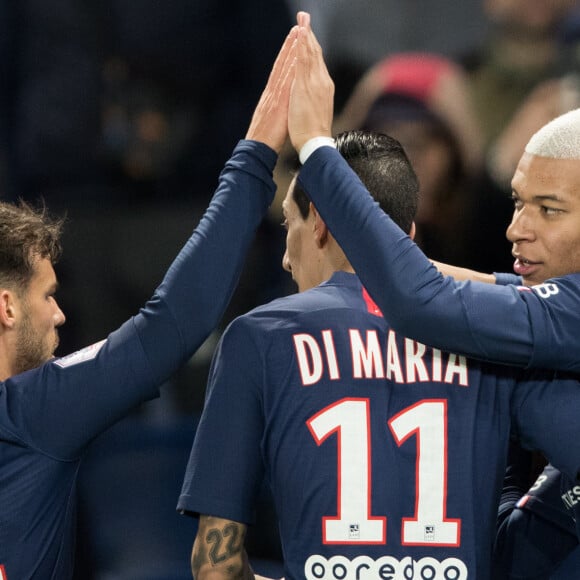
{"type": "Point", "coordinates": [51, 408]}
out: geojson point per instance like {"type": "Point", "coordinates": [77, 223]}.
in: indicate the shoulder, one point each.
{"type": "Point", "coordinates": [327, 296]}
{"type": "Point", "coordinates": [277, 313]}
{"type": "Point", "coordinates": [293, 311]}
{"type": "Point", "coordinates": [570, 283]}
{"type": "Point", "coordinates": [556, 299]}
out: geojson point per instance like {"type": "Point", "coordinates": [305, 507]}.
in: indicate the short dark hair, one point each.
{"type": "Point", "coordinates": [26, 234]}
{"type": "Point", "coordinates": [390, 110]}
{"type": "Point", "coordinates": [382, 165]}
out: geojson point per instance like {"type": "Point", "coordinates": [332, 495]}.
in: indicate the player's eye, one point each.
{"type": "Point", "coordinates": [517, 202]}
{"type": "Point", "coordinates": [551, 211]}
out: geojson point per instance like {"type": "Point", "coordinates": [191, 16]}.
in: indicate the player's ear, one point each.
{"type": "Point", "coordinates": [8, 308]}
{"type": "Point", "coordinates": [413, 231]}
{"type": "Point", "coordinates": [320, 229]}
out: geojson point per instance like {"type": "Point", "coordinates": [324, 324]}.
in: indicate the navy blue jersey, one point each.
{"type": "Point", "coordinates": [535, 327]}
{"type": "Point", "coordinates": [49, 415]}
{"type": "Point", "coordinates": [537, 536]}
{"type": "Point", "coordinates": [385, 457]}
{"type": "Point", "coordinates": [536, 526]}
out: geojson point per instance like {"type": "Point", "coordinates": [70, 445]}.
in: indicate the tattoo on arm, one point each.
{"type": "Point", "coordinates": [219, 547]}
{"type": "Point", "coordinates": [224, 542]}
{"type": "Point", "coordinates": [198, 557]}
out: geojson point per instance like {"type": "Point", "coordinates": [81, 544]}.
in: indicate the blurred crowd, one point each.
{"type": "Point", "coordinates": [121, 114]}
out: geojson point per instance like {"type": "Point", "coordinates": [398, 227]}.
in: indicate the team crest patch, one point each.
{"type": "Point", "coordinates": [80, 356]}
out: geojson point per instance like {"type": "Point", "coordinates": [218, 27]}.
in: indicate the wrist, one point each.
{"type": "Point", "coordinates": [312, 145]}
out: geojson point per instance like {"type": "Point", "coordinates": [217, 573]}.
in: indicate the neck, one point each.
{"type": "Point", "coordinates": [7, 354]}
{"type": "Point", "coordinates": [6, 370]}
{"type": "Point", "coordinates": [336, 259]}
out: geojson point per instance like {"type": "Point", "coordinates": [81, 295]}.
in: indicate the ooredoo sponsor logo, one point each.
{"type": "Point", "coordinates": [317, 567]}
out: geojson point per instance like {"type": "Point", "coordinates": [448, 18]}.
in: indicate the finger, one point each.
{"type": "Point", "coordinates": [317, 66]}
{"type": "Point", "coordinates": [313, 45]}
{"type": "Point", "coordinates": [280, 93]}
{"type": "Point", "coordinates": [303, 19]}
{"type": "Point", "coordinates": [302, 65]}
{"type": "Point", "coordinates": [304, 48]}
{"type": "Point", "coordinates": [285, 84]}
{"type": "Point", "coordinates": [310, 57]}
{"type": "Point", "coordinates": [289, 59]}
{"type": "Point", "coordinates": [283, 55]}
{"type": "Point", "coordinates": [309, 46]}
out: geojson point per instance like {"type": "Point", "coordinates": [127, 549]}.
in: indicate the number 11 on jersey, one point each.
{"type": "Point", "coordinates": [349, 418]}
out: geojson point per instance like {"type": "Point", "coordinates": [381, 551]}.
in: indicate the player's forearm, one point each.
{"type": "Point", "coordinates": [413, 296]}
{"type": "Point", "coordinates": [462, 274]}
{"type": "Point", "coordinates": [232, 571]}
{"type": "Point", "coordinates": [218, 551]}
{"type": "Point", "coordinates": [200, 282]}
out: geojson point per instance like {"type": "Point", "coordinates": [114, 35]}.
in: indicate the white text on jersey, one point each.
{"type": "Point", "coordinates": [409, 362]}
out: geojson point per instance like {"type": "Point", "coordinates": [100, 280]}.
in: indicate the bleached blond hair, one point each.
{"type": "Point", "coordinates": [558, 139]}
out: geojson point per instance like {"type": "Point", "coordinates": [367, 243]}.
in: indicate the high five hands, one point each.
{"type": "Point", "coordinates": [312, 96]}
{"type": "Point", "coordinates": [298, 100]}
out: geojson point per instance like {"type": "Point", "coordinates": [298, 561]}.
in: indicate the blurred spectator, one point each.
{"type": "Point", "coordinates": [519, 44]}
{"type": "Point", "coordinates": [422, 100]}
{"type": "Point", "coordinates": [355, 35]}
{"type": "Point", "coordinates": [521, 50]}
{"type": "Point", "coordinates": [524, 76]}
{"type": "Point", "coordinates": [548, 100]}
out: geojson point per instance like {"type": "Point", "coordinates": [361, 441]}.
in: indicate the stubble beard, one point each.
{"type": "Point", "coordinates": [31, 350]}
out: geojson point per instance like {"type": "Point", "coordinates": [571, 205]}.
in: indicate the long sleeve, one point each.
{"type": "Point", "coordinates": [504, 324]}
{"type": "Point", "coordinates": [200, 282]}
{"type": "Point", "coordinates": [59, 407]}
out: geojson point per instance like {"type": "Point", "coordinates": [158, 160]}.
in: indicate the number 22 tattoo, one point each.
{"type": "Point", "coordinates": [226, 542]}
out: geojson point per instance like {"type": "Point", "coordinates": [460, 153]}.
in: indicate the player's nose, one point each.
{"type": "Point", "coordinates": [521, 227]}
{"type": "Point", "coordinates": [59, 317]}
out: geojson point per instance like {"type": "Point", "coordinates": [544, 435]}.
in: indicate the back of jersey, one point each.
{"type": "Point", "coordinates": [385, 456]}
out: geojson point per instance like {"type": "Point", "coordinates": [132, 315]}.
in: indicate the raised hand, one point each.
{"type": "Point", "coordinates": [312, 97]}
{"type": "Point", "coordinates": [269, 123]}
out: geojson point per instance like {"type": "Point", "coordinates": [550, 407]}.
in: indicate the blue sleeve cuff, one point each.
{"type": "Point", "coordinates": [504, 279]}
